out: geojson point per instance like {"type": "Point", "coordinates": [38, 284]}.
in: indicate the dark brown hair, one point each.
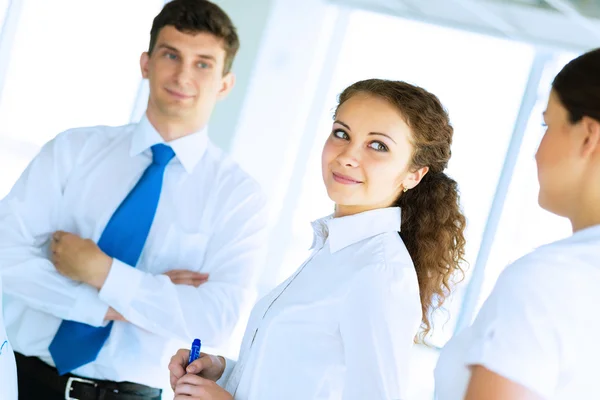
{"type": "Point", "coordinates": [578, 86]}
{"type": "Point", "coordinates": [432, 225]}
{"type": "Point", "coordinates": [197, 16]}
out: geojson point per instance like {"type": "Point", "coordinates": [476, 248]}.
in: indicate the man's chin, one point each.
{"type": "Point", "coordinates": [179, 111]}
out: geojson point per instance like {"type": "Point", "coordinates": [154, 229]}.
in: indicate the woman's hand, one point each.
{"type": "Point", "coordinates": [194, 387]}
{"type": "Point", "coordinates": [207, 366]}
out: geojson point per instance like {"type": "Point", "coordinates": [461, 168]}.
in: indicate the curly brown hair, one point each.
{"type": "Point", "coordinates": [433, 224]}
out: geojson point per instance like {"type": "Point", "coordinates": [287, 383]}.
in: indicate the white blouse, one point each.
{"type": "Point", "coordinates": [540, 327]}
{"type": "Point", "coordinates": [342, 326]}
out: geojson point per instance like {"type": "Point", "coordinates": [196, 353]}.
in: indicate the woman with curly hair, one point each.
{"type": "Point", "coordinates": [343, 325]}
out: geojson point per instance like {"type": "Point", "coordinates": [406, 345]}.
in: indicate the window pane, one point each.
{"type": "Point", "coordinates": [524, 224]}
{"type": "Point", "coordinates": [74, 63]}
{"type": "Point", "coordinates": [3, 8]}
{"type": "Point", "coordinates": [481, 91]}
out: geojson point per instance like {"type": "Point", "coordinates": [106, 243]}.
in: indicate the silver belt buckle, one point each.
{"type": "Point", "coordinates": [72, 379]}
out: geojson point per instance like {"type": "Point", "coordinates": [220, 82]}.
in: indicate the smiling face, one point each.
{"type": "Point", "coordinates": [185, 72]}
{"type": "Point", "coordinates": [367, 158]}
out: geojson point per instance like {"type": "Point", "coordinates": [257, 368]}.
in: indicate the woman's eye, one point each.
{"type": "Point", "coordinates": [378, 146]}
{"type": "Point", "coordinates": [340, 134]}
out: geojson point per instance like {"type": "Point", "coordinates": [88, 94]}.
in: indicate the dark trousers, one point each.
{"type": "Point", "coordinates": [40, 381]}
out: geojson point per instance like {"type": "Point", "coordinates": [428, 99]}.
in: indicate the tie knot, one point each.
{"type": "Point", "coordinates": [162, 154]}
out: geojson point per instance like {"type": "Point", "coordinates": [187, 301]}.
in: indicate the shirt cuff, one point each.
{"type": "Point", "coordinates": [229, 364]}
{"type": "Point", "coordinates": [121, 286]}
{"type": "Point", "coordinates": [513, 367]}
{"type": "Point", "coordinates": [88, 307]}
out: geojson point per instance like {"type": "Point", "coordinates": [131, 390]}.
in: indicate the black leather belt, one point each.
{"type": "Point", "coordinates": [78, 388]}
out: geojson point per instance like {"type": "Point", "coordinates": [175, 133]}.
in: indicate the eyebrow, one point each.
{"type": "Point", "coordinates": [207, 57]}
{"type": "Point", "coordinates": [370, 133]}
{"type": "Point", "coordinates": [173, 49]}
{"type": "Point", "coordinates": [166, 46]}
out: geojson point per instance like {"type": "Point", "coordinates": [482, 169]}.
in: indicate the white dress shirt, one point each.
{"type": "Point", "coordinates": [8, 369]}
{"type": "Point", "coordinates": [210, 218]}
{"type": "Point", "coordinates": [540, 327]}
{"type": "Point", "coordinates": [342, 326]}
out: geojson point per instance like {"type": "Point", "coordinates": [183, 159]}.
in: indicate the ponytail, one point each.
{"type": "Point", "coordinates": [433, 231]}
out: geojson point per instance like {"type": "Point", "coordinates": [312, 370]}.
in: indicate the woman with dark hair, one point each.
{"type": "Point", "coordinates": [536, 335]}
{"type": "Point", "coordinates": [343, 325]}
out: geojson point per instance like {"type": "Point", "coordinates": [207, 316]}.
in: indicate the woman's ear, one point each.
{"type": "Point", "coordinates": [591, 142]}
{"type": "Point", "coordinates": [413, 178]}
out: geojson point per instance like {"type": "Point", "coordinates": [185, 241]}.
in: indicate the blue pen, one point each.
{"type": "Point", "coordinates": [195, 351]}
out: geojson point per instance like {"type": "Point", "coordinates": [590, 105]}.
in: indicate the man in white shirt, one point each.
{"type": "Point", "coordinates": [118, 241]}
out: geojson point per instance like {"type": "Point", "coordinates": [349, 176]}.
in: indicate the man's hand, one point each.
{"type": "Point", "coordinates": [79, 259]}
{"type": "Point", "coordinates": [185, 277]}
{"type": "Point", "coordinates": [207, 366]}
{"type": "Point", "coordinates": [194, 387]}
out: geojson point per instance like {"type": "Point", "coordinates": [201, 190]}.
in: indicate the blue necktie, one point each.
{"type": "Point", "coordinates": [76, 344]}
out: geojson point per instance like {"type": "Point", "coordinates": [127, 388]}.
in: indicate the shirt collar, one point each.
{"type": "Point", "coordinates": [346, 231]}
{"type": "Point", "coordinates": [591, 232]}
{"type": "Point", "coordinates": [188, 149]}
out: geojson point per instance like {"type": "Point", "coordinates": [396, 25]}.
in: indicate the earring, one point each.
{"type": "Point", "coordinates": [405, 190]}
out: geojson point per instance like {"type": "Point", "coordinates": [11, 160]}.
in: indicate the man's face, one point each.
{"type": "Point", "coordinates": [185, 71]}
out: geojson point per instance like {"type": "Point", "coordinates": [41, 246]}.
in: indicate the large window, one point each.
{"type": "Point", "coordinates": [72, 63]}
{"type": "Point", "coordinates": [524, 225]}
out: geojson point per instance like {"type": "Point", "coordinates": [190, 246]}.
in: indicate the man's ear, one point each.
{"type": "Point", "coordinates": [144, 61]}
{"type": "Point", "coordinates": [227, 84]}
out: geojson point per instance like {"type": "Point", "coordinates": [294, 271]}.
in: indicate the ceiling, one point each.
{"type": "Point", "coordinates": [565, 24]}
{"type": "Point", "coordinates": [590, 8]}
